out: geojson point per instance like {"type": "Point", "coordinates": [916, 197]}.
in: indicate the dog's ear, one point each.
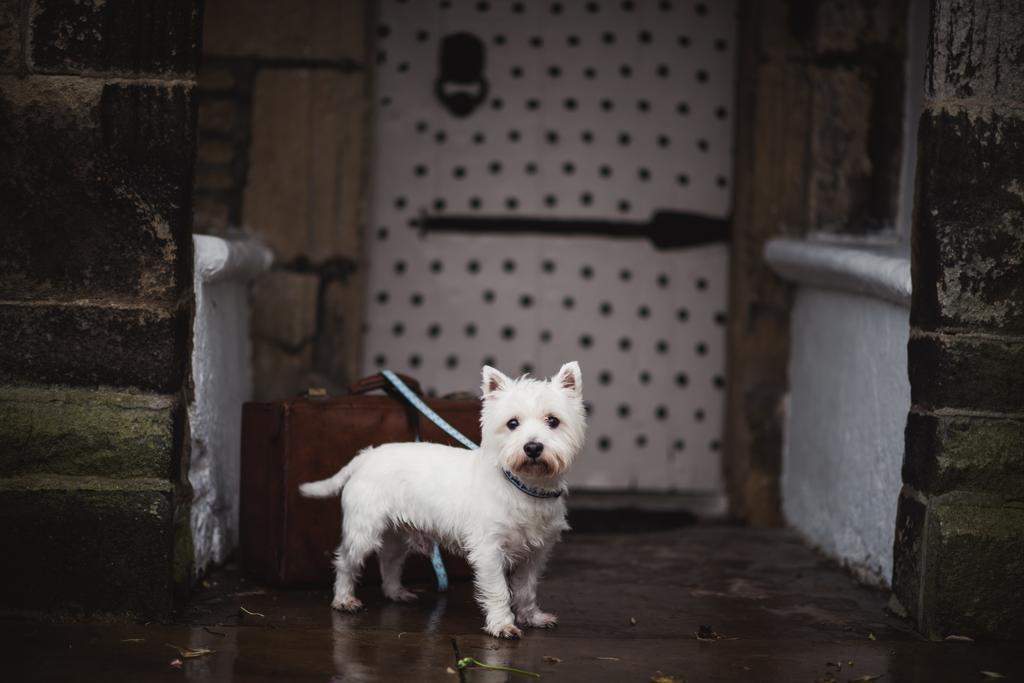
{"type": "Point", "coordinates": [570, 379]}
{"type": "Point", "coordinates": [494, 380]}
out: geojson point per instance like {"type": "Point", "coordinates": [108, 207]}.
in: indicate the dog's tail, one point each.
{"type": "Point", "coordinates": [326, 488]}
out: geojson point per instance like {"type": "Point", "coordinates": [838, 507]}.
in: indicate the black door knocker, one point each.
{"type": "Point", "coordinates": [461, 86]}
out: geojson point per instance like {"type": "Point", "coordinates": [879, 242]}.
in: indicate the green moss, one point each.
{"type": "Point", "coordinates": [974, 565]}
{"type": "Point", "coordinates": [982, 454]}
{"type": "Point", "coordinates": [86, 432]}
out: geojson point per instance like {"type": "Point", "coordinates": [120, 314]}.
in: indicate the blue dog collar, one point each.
{"type": "Point", "coordinates": [529, 490]}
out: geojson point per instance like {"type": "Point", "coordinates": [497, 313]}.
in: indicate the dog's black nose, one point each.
{"type": "Point", "coordinates": [533, 449]}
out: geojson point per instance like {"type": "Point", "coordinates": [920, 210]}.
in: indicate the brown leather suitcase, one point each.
{"type": "Point", "coordinates": [288, 539]}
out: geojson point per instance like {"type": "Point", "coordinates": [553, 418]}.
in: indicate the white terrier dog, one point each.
{"type": "Point", "coordinates": [501, 506]}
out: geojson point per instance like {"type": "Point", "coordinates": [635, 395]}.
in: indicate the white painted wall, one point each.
{"type": "Point", "coordinates": [848, 401]}
{"type": "Point", "coordinates": [222, 375]}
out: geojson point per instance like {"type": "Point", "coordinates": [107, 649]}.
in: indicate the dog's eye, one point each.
{"type": "Point", "coordinates": [512, 424]}
{"type": "Point", "coordinates": [552, 421]}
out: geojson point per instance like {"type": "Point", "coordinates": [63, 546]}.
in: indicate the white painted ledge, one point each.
{"type": "Point", "coordinates": [218, 260]}
{"type": "Point", "coordinates": [850, 269]}
{"type": "Point", "coordinates": [222, 378]}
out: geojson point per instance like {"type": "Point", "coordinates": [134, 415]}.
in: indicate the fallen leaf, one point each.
{"type": "Point", "coordinates": [190, 653]}
{"type": "Point", "coordinates": [707, 633]}
{"type": "Point", "coordinates": [992, 674]}
{"type": "Point", "coordinates": [251, 614]}
{"type": "Point", "coordinates": [449, 670]}
{"type": "Point", "coordinates": [552, 660]}
{"type": "Point", "coordinates": [865, 679]}
{"type": "Point", "coordinates": [176, 663]}
{"type": "Point", "coordinates": [610, 659]}
{"type": "Point", "coordinates": [632, 621]}
{"type": "Point", "coordinates": [960, 639]}
{"type": "Point", "coordinates": [871, 636]}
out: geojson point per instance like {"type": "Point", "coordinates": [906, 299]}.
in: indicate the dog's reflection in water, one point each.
{"type": "Point", "coordinates": [396, 642]}
{"type": "Point", "coordinates": [392, 642]}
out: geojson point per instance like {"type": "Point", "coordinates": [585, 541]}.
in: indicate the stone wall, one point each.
{"type": "Point", "coordinates": [960, 528]}
{"type": "Point", "coordinates": [819, 129]}
{"type": "Point", "coordinates": [97, 138]}
{"type": "Point", "coordinates": [283, 137]}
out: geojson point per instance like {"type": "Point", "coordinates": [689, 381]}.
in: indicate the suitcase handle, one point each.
{"type": "Point", "coordinates": [378, 381]}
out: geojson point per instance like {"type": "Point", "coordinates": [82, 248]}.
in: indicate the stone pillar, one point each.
{"type": "Point", "coordinates": [97, 121]}
{"type": "Point", "coordinates": [960, 529]}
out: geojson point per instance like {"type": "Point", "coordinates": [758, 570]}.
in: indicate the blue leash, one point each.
{"type": "Point", "coordinates": [417, 403]}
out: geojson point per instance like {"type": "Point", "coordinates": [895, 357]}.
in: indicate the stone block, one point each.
{"type": "Point", "coordinates": [305, 180]}
{"type": "Point", "coordinates": [84, 545]}
{"type": "Point", "coordinates": [908, 551]}
{"type": "Point", "coordinates": [970, 373]}
{"type": "Point", "coordinates": [116, 36]}
{"type": "Point", "coordinates": [975, 52]}
{"type": "Point", "coordinates": [10, 35]}
{"type": "Point", "coordinates": [974, 564]}
{"type": "Point", "coordinates": [94, 344]}
{"type": "Point", "coordinates": [87, 432]}
{"type": "Point", "coordinates": [302, 29]}
{"type": "Point", "coordinates": [969, 223]}
{"type": "Point", "coordinates": [117, 209]}
{"type": "Point", "coordinates": [967, 453]}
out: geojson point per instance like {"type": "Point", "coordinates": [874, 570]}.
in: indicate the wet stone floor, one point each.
{"type": "Point", "coordinates": [631, 606]}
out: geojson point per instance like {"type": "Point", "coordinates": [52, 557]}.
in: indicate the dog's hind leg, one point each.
{"type": "Point", "coordinates": [357, 543]}
{"type": "Point", "coordinates": [393, 550]}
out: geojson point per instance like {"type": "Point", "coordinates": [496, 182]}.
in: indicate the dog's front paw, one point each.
{"type": "Point", "coordinates": [506, 631]}
{"type": "Point", "coordinates": [349, 604]}
{"type": "Point", "coordinates": [401, 595]}
{"type": "Point", "coordinates": [540, 619]}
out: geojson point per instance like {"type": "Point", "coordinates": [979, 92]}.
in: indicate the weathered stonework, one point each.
{"type": "Point", "coordinates": [117, 209]}
{"type": "Point", "coordinates": [97, 146]}
{"type": "Point", "coordinates": [950, 452]}
{"type": "Point", "coordinates": [970, 237]}
{"type": "Point", "coordinates": [48, 430]}
{"type": "Point", "coordinates": [978, 54]}
{"type": "Point", "coordinates": [94, 344]}
{"type": "Point", "coordinates": [115, 36]}
{"type": "Point", "coordinates": [970, 373]}
{"type": "Point", "coordinates": [973, 557]}
{"type": "Point", "coordinates": [960, 539]}
{"type": "Point", "coordinates": [87, 546]}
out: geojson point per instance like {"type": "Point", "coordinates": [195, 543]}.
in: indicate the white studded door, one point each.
{"type": "Point", "coordinates": [552, 183]}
